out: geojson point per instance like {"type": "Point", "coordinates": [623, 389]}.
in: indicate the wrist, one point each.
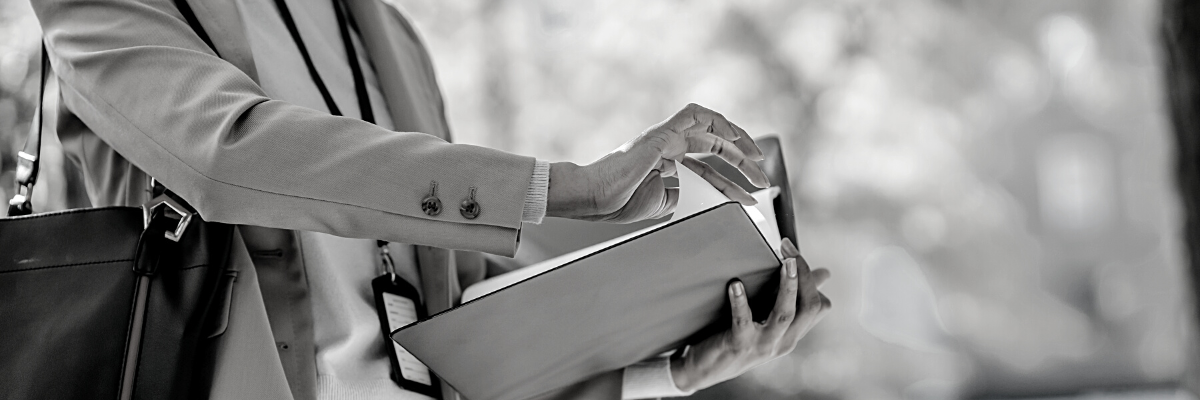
{"type": "Point", "coordinates": [566, 196]}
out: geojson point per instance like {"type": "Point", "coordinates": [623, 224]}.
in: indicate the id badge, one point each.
{"type": "Point", "coordinates": [398, 304]}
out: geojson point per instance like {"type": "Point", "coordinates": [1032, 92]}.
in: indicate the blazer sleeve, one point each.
{"type": "Point", "coordinates": [138, 76]}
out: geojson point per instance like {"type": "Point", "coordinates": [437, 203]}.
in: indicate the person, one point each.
{"type": "Point", "coordinates": [318, 126]}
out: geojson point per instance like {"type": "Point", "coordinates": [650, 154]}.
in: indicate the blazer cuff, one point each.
{"type": "Point", "coordinates": [650, 379]}
{"type": "Point", "coordinates": [535, 197]}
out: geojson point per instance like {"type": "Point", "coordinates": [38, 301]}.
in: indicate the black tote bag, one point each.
{"type": "Point", "coordinates": [111, 302]}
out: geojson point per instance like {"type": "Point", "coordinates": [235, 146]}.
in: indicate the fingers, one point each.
{"type": "Point", "coordinates": [670, 200]}
{"type": "Point", "coordinates": [726, 186]}
{"type": "Point", "coordinates": [785, 302]}
{"type": "Point", "coordinates": [666, 167]}
{"type": "Point", "coordinates": [821, 312]}
{"type": "Point", "coordinates": [713, 122]}
{"type": "Point", "coordinates": [706, 131]}
{"type": "Point", "coordinates": [820, 275]}
{"type": "Point", "coordinates": [810, 297]}
{"type": "Point", "coordinates": [809, 279]}
{"type": "Point", "coordinates": [743, 321]}
{"type": "Point", "coordinates": [816, 278]}
{"type": "Point", "coordinates": [826, 304]}
{"type": "Point", "coordinates": [747, 144]}
{"type": "Point", "coordinates": [813, 305]}
{"type": "Point", "coordinates": [802, 263]}
{"type": "Point", "coordinates": [731, 133]}
{"type": "Point", "coordinates": [788, 249]}
{"type": "Point", "coordinates": [801, 326]}
{"type": "Point", "coordinates": [705, 120]}
{"type": "Point", "coordinates": [705, 142]}
{"type": "Point", "coordinates": [650, 200]}
{"type": "Point", "coordinates": [710, 121]}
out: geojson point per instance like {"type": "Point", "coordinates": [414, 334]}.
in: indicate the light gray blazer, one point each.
{"type": "Point", "coordinates": [134, 73]}
{"type": "Point", "coordinates": [141, 92]}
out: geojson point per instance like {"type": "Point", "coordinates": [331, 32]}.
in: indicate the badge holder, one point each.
{"type": "Point", "coordinates": [398, 304]}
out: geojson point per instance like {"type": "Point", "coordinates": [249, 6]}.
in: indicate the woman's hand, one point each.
{"type": "Point", "coordinates": [747, 343]}
{"type": "Point", "coordinates": [626, 185]}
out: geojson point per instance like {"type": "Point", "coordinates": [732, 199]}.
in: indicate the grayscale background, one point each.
{"type": "Point", "coordinates": [989, 181]}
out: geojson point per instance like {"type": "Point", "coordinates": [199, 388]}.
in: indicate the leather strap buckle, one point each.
{"type": "Point", "coordinates": [149, 212]}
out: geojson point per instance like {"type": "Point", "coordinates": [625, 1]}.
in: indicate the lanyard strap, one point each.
{"type": "Point", "coordinates": [360, 83]}
{"type": "Point", "coordinates": [360, 86]}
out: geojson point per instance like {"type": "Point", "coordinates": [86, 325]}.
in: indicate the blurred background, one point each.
{"type": "Point", "coordinates": [989, 182]}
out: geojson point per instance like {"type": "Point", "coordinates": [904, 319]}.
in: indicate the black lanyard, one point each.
{"type": "Point", "coordinates": [360, 85]}
{"type": "Point", "coordinates": [396, 301]}
{"type": "Point", "coordinates": [345, 22]}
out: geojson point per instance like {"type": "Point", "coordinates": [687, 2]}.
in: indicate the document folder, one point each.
{"type": "Point", "coordinates": [611, 305]}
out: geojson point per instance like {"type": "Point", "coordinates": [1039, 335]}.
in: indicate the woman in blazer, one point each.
{"type": "Point", "coordinates": [144, 94]}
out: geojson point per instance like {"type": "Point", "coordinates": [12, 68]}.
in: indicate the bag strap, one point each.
{"type": "Point", "coordinates": [29, 158]}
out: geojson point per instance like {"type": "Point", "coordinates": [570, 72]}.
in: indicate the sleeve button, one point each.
{"type": "Point", "coordinates": [470, 208]}
{"type": "Point", "coordinates": [431, 204]}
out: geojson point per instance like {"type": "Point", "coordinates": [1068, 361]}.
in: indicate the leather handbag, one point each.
{"type": "Point", "coordinates": [110, 302]}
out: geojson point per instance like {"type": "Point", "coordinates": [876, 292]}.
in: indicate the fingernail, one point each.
{"type": "Point", "coordinates": [790, 264]}
{"type": "Point", "coordinates": [738, 290]}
